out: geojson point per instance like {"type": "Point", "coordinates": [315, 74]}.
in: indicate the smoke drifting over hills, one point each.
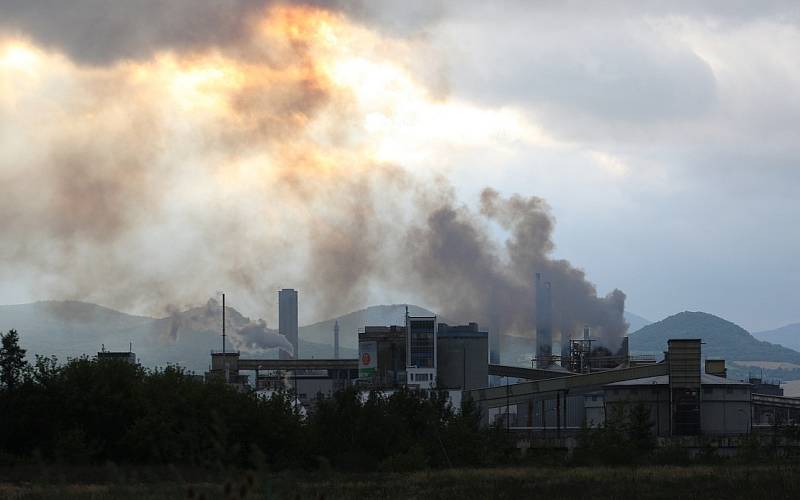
{"type": "Point", "coordinates": [242, 333]}
{"type": "Point", "coordinates": [474, 278]}
{"type": "Point", "coordinates": [271, 153]}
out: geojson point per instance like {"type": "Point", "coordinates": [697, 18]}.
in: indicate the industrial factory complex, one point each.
{"type": "Point", "coordinates": [557, 395]}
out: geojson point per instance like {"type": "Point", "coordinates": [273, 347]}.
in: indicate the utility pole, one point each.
{"type": "Point", "coordinates": [223, 323]}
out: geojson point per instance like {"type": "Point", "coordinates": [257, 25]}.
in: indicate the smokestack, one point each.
{"type": "Point", "coordinates": [494, 338]}
{"type": "Point", "coordinates": [544, 328]}
{"type": "Point", "coordinates": [336, 340]}
{"type": "Point", "coordinates": [287, 320]}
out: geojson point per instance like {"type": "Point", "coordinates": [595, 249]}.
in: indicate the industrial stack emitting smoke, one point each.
{"type": "Point", "coordinates": [469, 276]}
{"type": "Point", "coordinates": [336, 340]}
{"type": "Point", "coordinates": [171, 163]}
{"type": "Point", "coordinates": [287, 321]}
{"type": "Point", "coordinates": [244, 333]}
{"type": "Point", "coordinates": [544, 328]}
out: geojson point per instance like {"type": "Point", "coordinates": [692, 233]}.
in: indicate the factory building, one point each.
{"type": "Point", "coordinates": [123, 356]}
{"type": "Point", "coordinates": [424, 354]}
{"type": "Point", "coordinates": [462, 354]}
{"type": "Point", "coordinates": [723, 407]}
{"type": "Point", "coordinates": [307, 385]}
{"type": "Point", "coordinates": [683, 399]}
{"type": "Point", "coordinates": [287, 320]}
{"type": "Point", "coordinates": [421, 351]}
{"type": "Point", "coordinates": [382, 356]}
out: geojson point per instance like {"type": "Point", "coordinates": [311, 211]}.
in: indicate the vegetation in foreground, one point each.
{"type": "Point", "coordinates": [97, 429]}
{"type": "Point", "coordinates": [94, 412]}
{"type": "Point", "coordinates": [649, 482]}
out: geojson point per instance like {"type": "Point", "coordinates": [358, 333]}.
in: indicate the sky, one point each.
{"type": "Point", "coordinates": [156, 152]}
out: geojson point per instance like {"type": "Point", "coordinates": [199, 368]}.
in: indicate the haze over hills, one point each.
{"type": "Point", "coordinates": [635, 322]}
{"type": "Point", "coordinates": [787, 336]}
{"type": "Point", "coordinates": [722, 339]}
{"type": "Point", "coordinates": [69, 329]}
{"type": "Point", "coordinates": [349, 324]}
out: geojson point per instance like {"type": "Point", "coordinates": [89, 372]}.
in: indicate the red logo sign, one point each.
{"type": "Point", "coordinates": [365, 358]}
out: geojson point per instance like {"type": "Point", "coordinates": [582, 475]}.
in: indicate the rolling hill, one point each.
{"type": "Point", "coordinates": [349, 324]}
{"type": "Point", "coordinates": [69, 329]}
{"type": "Point", "coordinates": [722, 339]}
{"type": "Point", "coordinates": [635, 322]}
{"type": "Point", "coordinates": [787, 336]}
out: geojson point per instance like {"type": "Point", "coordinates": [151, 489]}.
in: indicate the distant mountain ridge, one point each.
{"type": "Point", "coordinates": [350, 323]}
{"type": "Point", "coordinates": [69, 329]}
{"type": "Point", "coordinates": [635, 322]}
{"type": "Point", "coordinates": [722, 339]}
{"type": "Point", "coordinates": [787, 336]}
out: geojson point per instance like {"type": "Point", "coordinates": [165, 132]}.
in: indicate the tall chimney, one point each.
{"type": "Point", "coordinates": [544, 329]}
{"type": "Point", "coordinates": [287, 321]}
{"type": "Point", "coordinates": [336, 340]}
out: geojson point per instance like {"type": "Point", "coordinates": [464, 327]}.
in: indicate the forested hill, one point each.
{"type": "Point", "coordinates": [721, 338]}
{"type": "Point", "coordinates": [787, 336]}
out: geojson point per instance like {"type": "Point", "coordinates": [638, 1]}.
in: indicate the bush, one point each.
{"type": "Point", "coordinates": [89, 411]}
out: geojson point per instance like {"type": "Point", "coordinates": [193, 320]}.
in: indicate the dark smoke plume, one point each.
{"type": "Point", "coordinates": [256, 336]}
{"type": "Point", "coordinates": [243, 334]}
{"type": "Point", "coordinates": [140, 184]}
{"type": "Point", "coordinates": [473, 279]}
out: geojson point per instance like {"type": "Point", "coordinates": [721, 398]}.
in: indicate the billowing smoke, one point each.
{"type": "Point", "coordinates": [256, 336]}
{"type": "Point", "coordinates": [475, 279]}
{"type": "Point", "coordinates": [242, 333]}
{"type": "Point", "coordinates": [261, 146]}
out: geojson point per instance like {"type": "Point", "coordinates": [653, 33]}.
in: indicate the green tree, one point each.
{"type": "Point", "coordinates": [12, 361]}
{"type": "Point", "coordinates": [640, 429]}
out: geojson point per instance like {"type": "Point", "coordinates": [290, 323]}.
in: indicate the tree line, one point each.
{"type": "Point", "coordinates": [89, 411]}
{"type": "Point", "coordinates": [96, 411]}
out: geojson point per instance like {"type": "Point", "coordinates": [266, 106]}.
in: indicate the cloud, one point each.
{"type": "Point", "coordinates": [138, 133]}
{"type": "Point", "coordinates": [99, 32]}
{"type": "Point", "coordinates": [608, 76]}
{"type": "Point", "coordinates": [102, 31]}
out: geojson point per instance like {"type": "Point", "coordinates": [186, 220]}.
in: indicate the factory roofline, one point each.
{"type": "Point", "coordinates": [457, 334]}
{"type": "Point", "coordinates": [705, 379]}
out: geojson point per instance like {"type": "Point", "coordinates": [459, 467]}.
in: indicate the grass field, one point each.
{"type": "Point", "coordinates": [700, 482]}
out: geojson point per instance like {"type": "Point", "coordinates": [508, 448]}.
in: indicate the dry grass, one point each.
{"type": "Point", "coordinates": [667, 482]}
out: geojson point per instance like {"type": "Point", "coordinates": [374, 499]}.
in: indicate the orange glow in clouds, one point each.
{"type": "Point", "coordinates": [309, 93]}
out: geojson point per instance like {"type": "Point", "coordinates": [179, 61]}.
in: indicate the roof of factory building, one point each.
{"type": "Point", "coordinates": [465, 331]}
{"type": "Point", "coordinates": [705, 379]}
{"type": "Point", "coordinates": [461, 334]}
